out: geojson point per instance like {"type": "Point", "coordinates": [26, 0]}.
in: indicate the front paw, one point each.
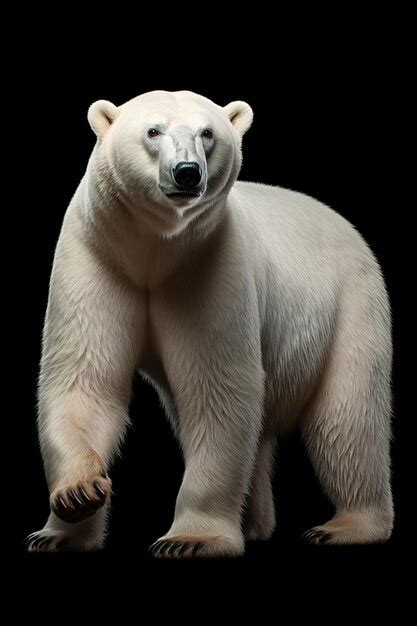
{"type": "Point", "coordinates": [74, 502]}
{"type": "Point", "coordinates": [196, 546]}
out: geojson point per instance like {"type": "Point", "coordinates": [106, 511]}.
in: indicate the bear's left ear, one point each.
{"type": "Point", "coordinates": [240, 114]}
{"type": "Point", "coordinates": [101, 116]}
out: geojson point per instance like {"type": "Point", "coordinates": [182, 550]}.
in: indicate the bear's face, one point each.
{"type": "Point", "coordinates": [172, 154]}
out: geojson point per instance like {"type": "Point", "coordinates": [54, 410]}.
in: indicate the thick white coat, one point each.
{"type": "Point", "coordinates": [250, 309]}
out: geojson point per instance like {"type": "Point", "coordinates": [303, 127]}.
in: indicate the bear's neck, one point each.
{"type": "Point", "coordinates": [146, 253]}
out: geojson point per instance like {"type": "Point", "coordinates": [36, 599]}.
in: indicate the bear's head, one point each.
{"type": "Point", "coordinates": [170, 156]}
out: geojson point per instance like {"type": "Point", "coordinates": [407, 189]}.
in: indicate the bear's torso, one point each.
{"type": "Point", "coordinates": [275, 268]}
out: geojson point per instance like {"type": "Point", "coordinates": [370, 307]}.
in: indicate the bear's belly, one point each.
{"type": "Point", "coordinates": [295, 340]}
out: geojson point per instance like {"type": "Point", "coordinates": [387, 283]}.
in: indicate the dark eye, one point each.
{"type": "Point", "coordinates": [207, 133]}
{"type": "Point", "coordinates": [153, 132]}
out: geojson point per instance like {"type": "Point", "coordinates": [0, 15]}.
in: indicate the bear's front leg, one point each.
{"type": "Point", "coordinates": [90, 349]}
{"type": "Point", "coordinates": [218, 382]}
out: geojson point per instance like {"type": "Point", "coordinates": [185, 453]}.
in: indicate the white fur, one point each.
{"type": "Point", "coordinates": [250, 309]}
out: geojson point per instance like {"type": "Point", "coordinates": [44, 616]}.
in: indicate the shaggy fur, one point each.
{"type": "Point", "coordinates": [249, 308]}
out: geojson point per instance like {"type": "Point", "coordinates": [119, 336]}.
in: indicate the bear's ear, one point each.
{"type": "Point", "coordinates": [101, 116]}
{"type": "Point", "coordinates": [240, 114]}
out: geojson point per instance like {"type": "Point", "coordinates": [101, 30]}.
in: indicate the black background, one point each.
{"type": "Point", "coordinates": [324, 108]}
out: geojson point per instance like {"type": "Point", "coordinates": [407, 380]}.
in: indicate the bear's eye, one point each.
{"type": "Point", "coordinates": [153, 132]}
{"type": "Point", "coordinates": [207, 133]}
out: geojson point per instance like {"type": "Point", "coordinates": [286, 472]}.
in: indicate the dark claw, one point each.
{"type": "Point", "coordinates": [316, 536]}
{"type": "Point", "coordinates": [34, 542]}
{"type": "Point", "coordinates": [163, 549]}
{"type": "Point", "coordinates": [45, 542]}
{"type": "Point", "coordinates": [309, 534]}
{"type": "Point", "coordinates": [197, 547]}
{"type": "Point", "coordinates": [72, 500]}
{"type": "Point", "coordinates": [75, 498]}
{"type": "Point", "coordinates": [155, 546]}
{"type": "Point", "coordinates": [100, 489]}
{"type": "Point", "coordinates": [174, 545]}
{"type": "Point", "coordinates": [41, 541]}
{"type": "Point", "coordinates": [60, 500]}
{"type": "Point", "coordinates": [85, 496]}
{"type": "Point", "coordinates": [183, 548]}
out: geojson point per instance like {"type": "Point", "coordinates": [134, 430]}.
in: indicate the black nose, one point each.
{"type": "Point", "coordinates": [187, 174]}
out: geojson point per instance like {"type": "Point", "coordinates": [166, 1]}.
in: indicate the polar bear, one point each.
{"type": "Point", "coordinates": [250, 308]}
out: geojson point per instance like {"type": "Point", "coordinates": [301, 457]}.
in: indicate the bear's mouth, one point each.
{"type": "Point", "coordinates": [182, 195]}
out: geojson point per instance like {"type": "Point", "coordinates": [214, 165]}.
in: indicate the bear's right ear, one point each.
{"type": "Point", "coordinates": [101, 116]}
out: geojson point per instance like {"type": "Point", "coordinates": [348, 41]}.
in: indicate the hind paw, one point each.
{"type": "Point", "coordinates": [369, 526]}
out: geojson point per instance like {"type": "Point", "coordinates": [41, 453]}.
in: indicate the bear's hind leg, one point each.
{"type": "Point", "coordinates": [259, 514]}
{"type": "Point", "coordinates": [347, 432]}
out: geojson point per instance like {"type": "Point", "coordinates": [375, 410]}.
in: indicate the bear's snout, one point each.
{"type": "Point", "coordinates": [187, 174]}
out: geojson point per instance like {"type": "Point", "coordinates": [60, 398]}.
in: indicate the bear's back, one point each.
{"type": "Point", "coordinates": [297, 230]}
